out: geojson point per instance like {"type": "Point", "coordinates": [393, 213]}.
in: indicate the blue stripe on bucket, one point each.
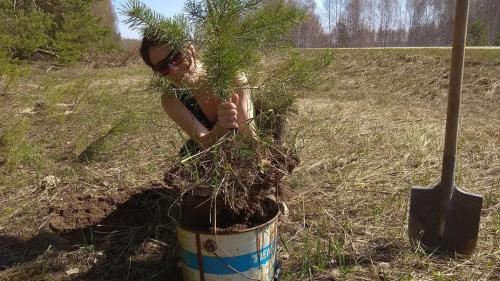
{"type": "Point", "coordinates": [221, 266]}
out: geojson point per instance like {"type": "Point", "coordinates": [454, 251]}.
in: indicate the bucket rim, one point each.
{"type": "Point", "coordinates": [273, 219]}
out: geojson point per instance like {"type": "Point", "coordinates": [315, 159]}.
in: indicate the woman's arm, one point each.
{"type": "Point", "coordinates": [189, 124]}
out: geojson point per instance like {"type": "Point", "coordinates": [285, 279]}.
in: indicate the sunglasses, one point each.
{"type": "Point", "coordinates": [162, 67]}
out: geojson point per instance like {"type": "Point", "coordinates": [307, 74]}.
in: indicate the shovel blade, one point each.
{"type": "Point", "coordinates": [454, 230]}
{"type": "Point", "coordinates": [424, 217]}
{"type": "Point", "coordinates": [462, 222]}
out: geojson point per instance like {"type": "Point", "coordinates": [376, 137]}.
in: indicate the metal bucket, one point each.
{"type": "Point", "coordinates": [244, 255]}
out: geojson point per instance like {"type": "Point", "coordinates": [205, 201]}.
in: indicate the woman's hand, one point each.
{"type": "Point", "coordinates": [227, 115]}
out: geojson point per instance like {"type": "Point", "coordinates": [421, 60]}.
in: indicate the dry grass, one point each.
{"type": "Point", "coordinates": [364, 139]}
{"type": "Point", "coordinates": [377, 130]}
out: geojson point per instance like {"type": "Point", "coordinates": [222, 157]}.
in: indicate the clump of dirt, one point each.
{"type": "Point", "coordinates": [126, 207]}
{"type": "Point", "coordinates": [81, 211]}
{"type": "Point", "coordinates": [232, 185]}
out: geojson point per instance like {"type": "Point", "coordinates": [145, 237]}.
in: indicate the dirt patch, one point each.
{"type": "Point", "coordinates": [130, 234]}
{"type": "Point", "coordinates": [103, 213]}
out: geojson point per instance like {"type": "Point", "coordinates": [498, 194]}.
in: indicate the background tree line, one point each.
{"type": "Point", "coordinates": [384, 23]}
{"type": "Point", "coordinates": [69, 31]}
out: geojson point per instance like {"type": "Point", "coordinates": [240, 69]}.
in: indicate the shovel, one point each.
{"type": "Point", "coordinates": [444, 217]}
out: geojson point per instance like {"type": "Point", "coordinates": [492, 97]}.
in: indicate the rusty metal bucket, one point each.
{"type": "Point", "coordinates": [244, 255]}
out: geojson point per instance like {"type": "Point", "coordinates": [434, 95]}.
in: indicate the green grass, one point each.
{"type": "Point", "coordinates": [370, 132]}
{"type": "Point", "coordinates": [19, 148]}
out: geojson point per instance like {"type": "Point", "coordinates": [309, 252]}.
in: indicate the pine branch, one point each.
{"type": "Point", "coordinates": [154, 26]}
{"type": "Point", "coordinates": [140, 17]}
{"type": "Point", "coordinates": [234, 34]}
{"type": "Point", "coordinates": [277, 16]}
{"type": "Point", "coordinates": [265, 26]}
{"type": "Point", "coordinates": [196, 11]}
{"type": "Point", "coordinates": [250, 5]}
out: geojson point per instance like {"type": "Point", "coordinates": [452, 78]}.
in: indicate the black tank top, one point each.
{"type": "Point", "coordinates": [185, 96]}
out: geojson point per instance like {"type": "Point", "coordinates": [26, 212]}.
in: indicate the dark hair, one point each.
{"type": "Point", "coordinates": [145, 45]}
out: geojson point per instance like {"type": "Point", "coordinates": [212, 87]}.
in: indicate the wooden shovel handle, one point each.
{"type": "Point", "coordinates": [456, 75]}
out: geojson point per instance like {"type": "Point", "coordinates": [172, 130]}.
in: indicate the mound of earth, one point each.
{"type": "Point", "coordinates": [127, 207]}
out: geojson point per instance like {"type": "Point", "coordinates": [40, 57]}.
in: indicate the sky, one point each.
{"type": "Point", "coordinates": [166, 7]}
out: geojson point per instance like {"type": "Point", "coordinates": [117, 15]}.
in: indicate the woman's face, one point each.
{"type": "Point", "coordinates": [180, 67]}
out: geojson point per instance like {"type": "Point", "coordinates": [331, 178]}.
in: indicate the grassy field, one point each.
{"type": "Point", "coordinates": [373, 129]}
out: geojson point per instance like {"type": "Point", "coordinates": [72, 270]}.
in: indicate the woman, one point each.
{"type": "Point", "coordinates": [197, 111]}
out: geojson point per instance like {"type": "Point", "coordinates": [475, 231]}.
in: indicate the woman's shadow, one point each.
{"type": "Point", "coordinates": [135, 241]}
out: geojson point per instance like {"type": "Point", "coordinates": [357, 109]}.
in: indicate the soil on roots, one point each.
{"type": "Point", "coordinates": [231, 186]}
